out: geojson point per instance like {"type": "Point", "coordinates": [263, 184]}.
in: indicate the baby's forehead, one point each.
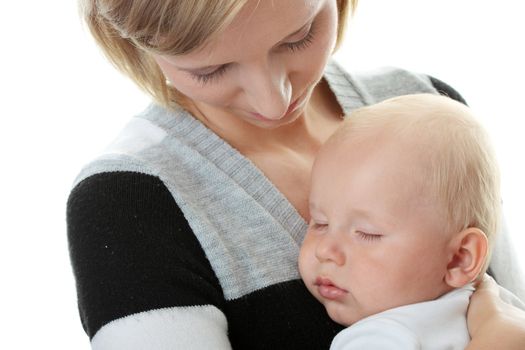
{"type": "Point", "coordinates": [349, 172]}
{"type": "Point", "coordinates": [376, 151]}
{"type": "Point", "coordinates": [414, 131]}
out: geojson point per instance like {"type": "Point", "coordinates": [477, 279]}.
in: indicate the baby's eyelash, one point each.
{"type": "Point", "coordinates": [369, 237]}
{"type": "Point", "coordinates": [318, 226]}
{"type": "Point", "coordinates": [208, 77]}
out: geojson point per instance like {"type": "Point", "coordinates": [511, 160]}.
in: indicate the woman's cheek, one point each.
{"type": "Point", "coordinates": [213, 93]}
{"type": "Point", "coordinates": [312, 62]}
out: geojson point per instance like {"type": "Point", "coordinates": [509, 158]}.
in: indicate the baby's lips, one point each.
{"type": "Point", "coordinates": [327, 289]}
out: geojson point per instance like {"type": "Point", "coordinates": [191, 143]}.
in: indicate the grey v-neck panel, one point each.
{"type": "Point", "coordinates": [248, 229]}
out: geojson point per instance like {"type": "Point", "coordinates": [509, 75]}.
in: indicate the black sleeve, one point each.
{"type": "Point", "coordinates": [132, 250]}
{"type": "Point", "coordinates": [446, 90]}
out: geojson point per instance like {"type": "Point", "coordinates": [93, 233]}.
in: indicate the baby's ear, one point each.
{"type": "Point", "coordinates": [468, 253]}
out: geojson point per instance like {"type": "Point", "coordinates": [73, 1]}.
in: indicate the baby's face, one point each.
{"type": "Point", "coordinates": [375, 240]}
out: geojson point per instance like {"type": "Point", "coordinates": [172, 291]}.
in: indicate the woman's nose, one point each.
{"type": "Point", "coordinates": [268, 90]}
{"type": "Point", "coordinates": [329, 249]}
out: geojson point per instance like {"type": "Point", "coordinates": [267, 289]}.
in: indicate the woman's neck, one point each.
{"type": "Point", "coordinates": [306, 133]}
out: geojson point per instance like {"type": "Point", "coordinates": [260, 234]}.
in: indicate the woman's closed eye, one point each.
{"type": "Point", "coordinates": [203, 78]}
{"type": "Point", "coordinates": [295, 46]}
{"type": "Point", "coordinates": [302, 43]}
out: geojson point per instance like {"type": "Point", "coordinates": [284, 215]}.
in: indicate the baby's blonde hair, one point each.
{"type": "Point", "coordinates": [130, 31]}
{"type": "Point", "coordinates": [459, 166]}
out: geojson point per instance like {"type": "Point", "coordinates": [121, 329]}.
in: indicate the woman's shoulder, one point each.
{"type": "Point", "coordinates": [129, 240]}
{"type": "Point", "coordinates": [446, 90]}
{"type": "Point", "coordinates": [141, 145]}
{"type": "Point", "coordinates": [375, 85]}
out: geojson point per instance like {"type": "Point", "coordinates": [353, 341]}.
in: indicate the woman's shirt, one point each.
{"type": "Point", "coordinates": [179, 241]}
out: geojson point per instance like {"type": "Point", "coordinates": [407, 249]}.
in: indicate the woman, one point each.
{"type": "Point", "coordinates": [185, 233]}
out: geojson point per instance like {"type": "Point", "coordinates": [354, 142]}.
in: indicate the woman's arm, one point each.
{"type": "Point", "coordinates": [143, 281]}
{"type": "Point", "coordinates": [494, 324]}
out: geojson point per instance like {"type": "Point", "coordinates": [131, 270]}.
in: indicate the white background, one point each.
{"type": "Point", "coordinates": [61, 103]}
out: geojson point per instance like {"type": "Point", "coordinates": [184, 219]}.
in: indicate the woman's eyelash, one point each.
{"type": "Point", "coordinates": [303, 43]}
{"type": "Point", "coordinates": [207, 77]}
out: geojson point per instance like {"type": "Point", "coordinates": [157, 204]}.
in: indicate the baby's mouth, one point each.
{"type": "Point", "coordinates": [328, 290]}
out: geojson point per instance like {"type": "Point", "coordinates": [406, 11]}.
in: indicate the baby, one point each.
{"type": "Point", "coordinates": [404, 205]}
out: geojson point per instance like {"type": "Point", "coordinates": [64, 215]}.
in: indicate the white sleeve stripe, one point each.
{"type": "Point", "coordinates": [188, 327]}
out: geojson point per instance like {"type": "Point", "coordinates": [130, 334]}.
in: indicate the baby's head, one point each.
{"type": "Point", "coordinates": [404, 203]}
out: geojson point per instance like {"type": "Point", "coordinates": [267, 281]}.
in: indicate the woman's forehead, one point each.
{"type": "Point", "coordinates": [259, 26]}
{"type": "Point", "coordinates": [264, 12]}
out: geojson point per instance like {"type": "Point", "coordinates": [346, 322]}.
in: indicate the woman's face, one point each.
{"type": "Point", "coordinates": [263, 67]}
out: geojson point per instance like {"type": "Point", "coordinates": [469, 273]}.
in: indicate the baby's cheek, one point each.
{"type": "Point", "coordinates": [302, 261]}
{"type": "Point", "coordinates": [307, 261]}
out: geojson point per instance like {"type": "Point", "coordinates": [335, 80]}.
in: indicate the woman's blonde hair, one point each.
{"type": "Point", "coordinates": [130, 31]}
{"type": "Point", "coordinates": [457, 163]}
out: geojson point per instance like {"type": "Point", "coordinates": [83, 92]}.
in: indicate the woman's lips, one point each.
{"type": "Point", "coordinates": [328, 290]}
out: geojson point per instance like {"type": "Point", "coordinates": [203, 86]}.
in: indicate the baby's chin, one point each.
{"type": "Point", "coordinates": [345, 316]}
{"type": "Point", "coordinates": [342, 314]}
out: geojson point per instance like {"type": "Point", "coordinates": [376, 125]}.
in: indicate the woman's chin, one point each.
{"type": "Point", "coordinates": [271, 124]}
